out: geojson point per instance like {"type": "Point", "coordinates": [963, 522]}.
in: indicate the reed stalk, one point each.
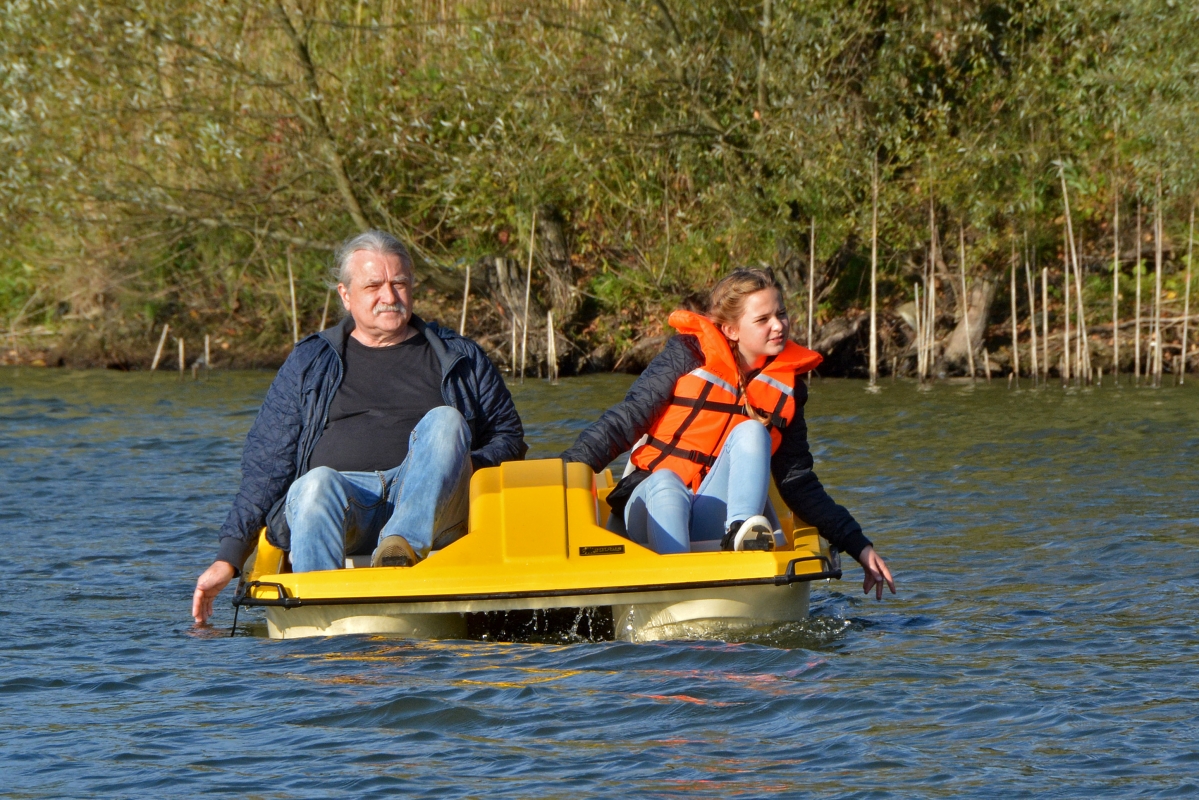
{"type": "Point", "coordinates": [512, 358]}
{"type": "Point", "coordinates": [1157, 284]}
{"type": "Point", "coordinates": [666, 220]}
{"type": "Point", "coordinates": [1136, 274]}
{"type": "Point", "coordinates": [1015, 329]}
{"type": "Point", "coordinates": [1032, 321]}
{"type": "Point", "coordinates": [929, 312]}
{"type": "Point", "coordinates": [1082, 344]}
{"type": "Point", "coordinates": [325, 310]}
{"type": "Point", "coordinates": [524, 342]}
{"type": "Point", "coordinates": [1072, 264]}
{"type": "Point", "coordinates": [551, 349]}
{"type": "Point", "coordinates": [182, 358]}
{"type": "Point", "coordinates": [930, 329]}
{"type": "Point", "coordinates": [162, 340]}
{"type": "Point", "coordinates": [1045, 319]}
{"type": "Point", "coordinates": [207, 352]}
{"type": "Point", "coordinates": [1116, 287]}
{"type": "Point", "coordinates": [965, 300]}
{"type": "Point", "coordinates": [874, 272]}
{"type": "Point", "coordinates": [922, 338]}
{"type": "Point", "coordinates": [1186, 299]}
{"type": "Point", "coordinates": [927, 323]}
{"type": "Point", "coordinates": [465, 301]}
{"type": "Point", "coordinates": [291, 286]}
{"type": "Point", "coordinates": [919, 315]}
{"type": "Point", "coordinates": [1066, 372]}
{"type": "Point", "coordinates": [924, 316]}
{"type": "Point", "coordinates": [811, 282]}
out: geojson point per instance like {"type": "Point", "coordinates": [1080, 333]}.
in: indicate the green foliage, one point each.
{"type": "Point", "coordinates": [177, 154]}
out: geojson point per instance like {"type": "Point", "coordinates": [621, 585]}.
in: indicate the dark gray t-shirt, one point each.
{"type": "Point", "coordinates": [385, 391]}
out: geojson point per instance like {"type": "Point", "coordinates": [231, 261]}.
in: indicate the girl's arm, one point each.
{"type": "Point", "coordinates": [802, 491]}
{"type": "Point", "coordinates": [619, 428]}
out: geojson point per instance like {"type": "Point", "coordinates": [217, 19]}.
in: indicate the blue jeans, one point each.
{"type": "Point", "coordinates": [664, 515]}
{"type": "Point", "coordinates": [425, 499]}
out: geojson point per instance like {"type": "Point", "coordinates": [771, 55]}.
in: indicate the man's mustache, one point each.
{"type": "Point", "coordinates": [383, 308]}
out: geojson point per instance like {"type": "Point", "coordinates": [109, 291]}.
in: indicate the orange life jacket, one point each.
{"type": "Point", "coordinates": [707, 403]}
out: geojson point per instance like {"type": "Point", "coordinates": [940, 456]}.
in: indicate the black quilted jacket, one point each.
{"type": "Point", "coordinates": [293, 415]}
{"type": "Point", "coordinates": [624, 423]}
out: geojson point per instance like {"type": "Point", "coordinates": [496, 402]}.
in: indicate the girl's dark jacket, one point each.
{"type": "Point", "coordinates": [622, 425]}
{"type": "Point", "coordinates": [293, 415]}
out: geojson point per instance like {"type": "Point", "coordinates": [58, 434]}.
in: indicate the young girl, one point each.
{"type": "Point", "coordinates": [720, 410]}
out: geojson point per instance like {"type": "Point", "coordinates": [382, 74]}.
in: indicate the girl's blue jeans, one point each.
{"type": "Point", "coordinates": [664, 515]}
{"type": "Point", "coordinates": [425, 499]}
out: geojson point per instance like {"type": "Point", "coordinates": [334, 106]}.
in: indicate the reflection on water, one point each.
{"type": "Point", "coordinates": [1041, 643]}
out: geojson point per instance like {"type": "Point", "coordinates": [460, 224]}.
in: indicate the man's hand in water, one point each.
{"type": "Point", "coordinates": [876, 574]}
{"type": "Point", "coordinates": [210, 584]}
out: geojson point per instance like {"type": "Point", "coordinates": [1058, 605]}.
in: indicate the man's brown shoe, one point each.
{"type": "Point", "coordinates": [393, 551]}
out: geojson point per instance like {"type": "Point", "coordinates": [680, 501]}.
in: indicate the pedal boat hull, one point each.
{"type": "Point", "coordinates": [536, 541]}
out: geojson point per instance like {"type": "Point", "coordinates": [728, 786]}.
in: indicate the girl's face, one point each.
{"type": "Point", "coordinates": [762, 329]}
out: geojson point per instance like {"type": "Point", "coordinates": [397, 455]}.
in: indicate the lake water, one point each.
{"type": "Point", "coordinates": [1043, 642]}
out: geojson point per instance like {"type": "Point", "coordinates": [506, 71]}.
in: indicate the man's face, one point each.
{"type": "Point", "coordinates": [379, 297]}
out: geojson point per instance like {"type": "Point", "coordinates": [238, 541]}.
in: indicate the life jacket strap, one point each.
{"type": "Point", "coordinates": [776, 417]}
{"type": "Point", "coordinates": [708, 405]}
{"type": "Point", "coordinates": [678, 434]}
{"type": "Point", "coordinates": [694, 456]}
{"type": "Point", "coordinates": [773, 418]}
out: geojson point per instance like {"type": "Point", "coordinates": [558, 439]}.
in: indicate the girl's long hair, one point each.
{"type": "Point", "coordinates": [727, 300]}
{"type": "Point", "coordinates": [727, 303]}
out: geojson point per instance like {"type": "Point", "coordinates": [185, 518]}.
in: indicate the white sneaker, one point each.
{"type": "Point", "coordinates": [756, 533]}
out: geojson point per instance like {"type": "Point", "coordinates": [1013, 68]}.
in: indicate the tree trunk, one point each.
{"type": "Point", "coordinates": [505, 284]}
{"type": "Point", "coordinates": [553, 252]}
{"type": "Point", "coordinates": [982, 294]}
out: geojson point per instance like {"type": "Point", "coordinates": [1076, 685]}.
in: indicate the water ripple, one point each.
{"type": "Point", "coordinates": [1040, 644]}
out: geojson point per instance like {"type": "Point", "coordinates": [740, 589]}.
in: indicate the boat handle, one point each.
{"type": "Point", "coordinates": [242, 598]}
{"type": "Point", "coordinates": [830, 570]}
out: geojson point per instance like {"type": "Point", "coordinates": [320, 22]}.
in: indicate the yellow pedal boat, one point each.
{"type": "Point", "coordinates": [536, 541]}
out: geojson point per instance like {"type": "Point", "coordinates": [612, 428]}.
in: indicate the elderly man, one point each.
{"type": "Point", "coordinates": [369, 433]}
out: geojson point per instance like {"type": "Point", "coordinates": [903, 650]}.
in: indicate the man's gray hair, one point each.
{"type": "Point", "coordinates": [373, 241]}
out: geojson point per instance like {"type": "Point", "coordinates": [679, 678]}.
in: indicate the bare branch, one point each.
{"type": "Point", "coordinates": [317, 113]}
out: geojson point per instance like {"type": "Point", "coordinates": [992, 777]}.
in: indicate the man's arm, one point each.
{"type": "Point", "coordinates": [501, 433]}
{"type": "Point", "coordinates": [267, 468]}
{"type": "Point", "coordinates": [268, 464]}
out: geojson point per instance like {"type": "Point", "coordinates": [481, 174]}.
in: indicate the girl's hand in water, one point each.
{"type": "Point", "coordinates": [876, 574]}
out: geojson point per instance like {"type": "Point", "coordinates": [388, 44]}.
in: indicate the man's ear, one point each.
{"type": "Point", "coordinates": [344, 294]}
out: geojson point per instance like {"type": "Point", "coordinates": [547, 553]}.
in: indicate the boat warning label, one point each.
{"type": "Point", "coordinates": [602, 550]}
